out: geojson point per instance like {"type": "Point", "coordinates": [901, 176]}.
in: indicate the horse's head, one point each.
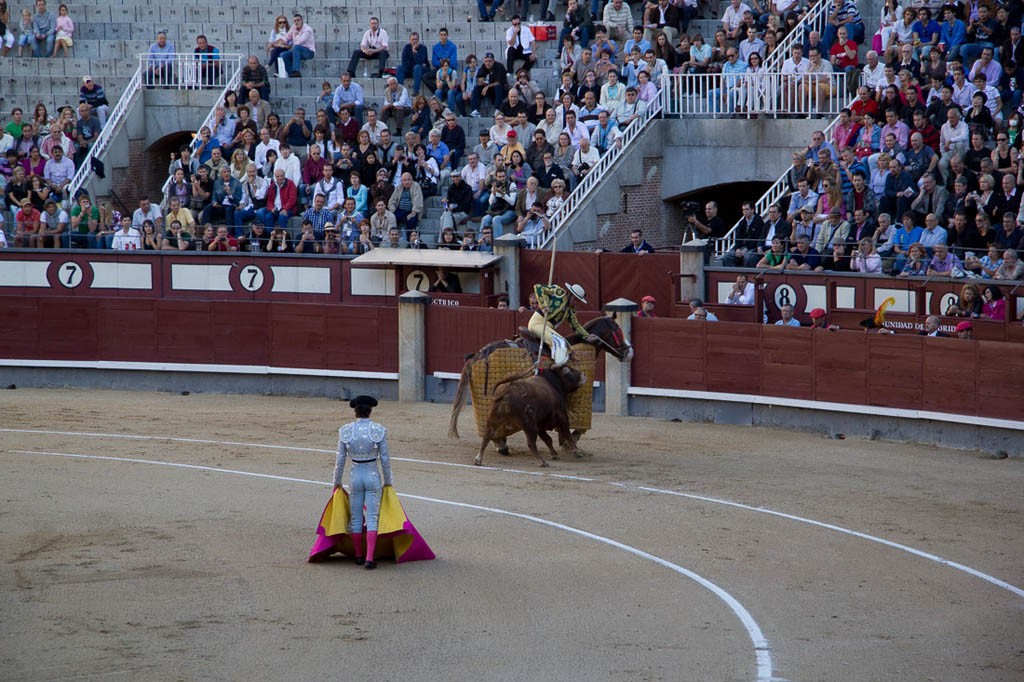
{"type": "Point", "coordinates": [611, 337]}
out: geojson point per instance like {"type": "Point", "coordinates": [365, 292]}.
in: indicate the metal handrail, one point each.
{"type": "Point", "coordinates": [813, 20]}
{"type": "Point", "coordinates": [115, 118]}
{"type": "Point", "coordinates": [232, 84]}
{"type": "Point", "coordinates": [752, 94]}
{"type": "Point", "coordinates": [187, 70]}
{"type": "Point", "coordinates": [560, 219]}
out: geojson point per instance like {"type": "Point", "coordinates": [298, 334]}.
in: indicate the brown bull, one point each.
{"type": "Point", "coordinates": [533, 405]}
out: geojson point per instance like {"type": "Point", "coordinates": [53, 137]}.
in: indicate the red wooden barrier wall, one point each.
{"type": "Point", "coordinates": [321, 336]}
{"type": "Point", "coordinates": [983, 378]}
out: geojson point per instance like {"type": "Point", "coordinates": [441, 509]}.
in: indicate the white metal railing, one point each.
{"type": "Point", "coordinates": [753, 94]}
{"type": "Point", "coordinates": [188, 71]}
{"type": "Point", "coordinates": [596, 174]}
{"type": "Point", "coordinates": [814, 19]}
{"type": "Point", "coordinates": [232, 83]}
{"type": "Point", "coordinates": [103, 140]}
{"type": "Point", "coordinates": [774, 193]}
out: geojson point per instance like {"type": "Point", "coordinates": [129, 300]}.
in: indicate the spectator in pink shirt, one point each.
{"type": "Point", "coordinates": [302, 44]}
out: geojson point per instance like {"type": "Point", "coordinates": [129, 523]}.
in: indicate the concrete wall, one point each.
{"type": "Point", "coordinates": [675, 157]}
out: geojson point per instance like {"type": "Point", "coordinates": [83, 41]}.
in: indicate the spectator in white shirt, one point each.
{"type": "Point", "coordinates": [58, 171]}
{"type": "Point", "coordinates": [585, 158]}
{"type": "Point", "coordinates": [519, 39]}
{"type": "Point", "coordinates": [147, 211]}
{"type": "Point", "coordinates": [266, 143]}
{"type": "Point", "coordinates": [374, 45]}
{"type": "Point", "coordinates": [373, 127]}
{"type": "Point", "coordinates": [953, 138]}
{"type": "Point", "coordinates": [475, 175]}
{"type": "Point", "coordinates": [742, 291]}
{"type": "Point", "coordinates": [290, 164]}
{"type": "Point", "coordinates": [733, 17]}
{"type": "Point", "coordinates": [127, 238]}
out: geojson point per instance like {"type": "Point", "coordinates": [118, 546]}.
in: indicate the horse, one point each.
{"type": "Point", "coordinates": [609, 338]}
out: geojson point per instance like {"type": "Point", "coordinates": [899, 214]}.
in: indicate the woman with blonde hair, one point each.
{"type": "Point", "coordinates": [831, 197]}
{"type": "Point", "coordinates": [239, 162]}
{"type": "Point", "coordinates": [866, 259]}
{"type": "Point", "coordinates": [969, 304]}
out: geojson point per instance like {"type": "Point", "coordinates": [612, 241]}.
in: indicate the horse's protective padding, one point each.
{"type": "Point", "coordinates": [509, 362]}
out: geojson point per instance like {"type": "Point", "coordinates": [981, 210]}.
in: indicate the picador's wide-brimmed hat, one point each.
{"type": "Point", "coordinates": [363, 401]}
{"type": "Point", "coordinates": [577, 291]}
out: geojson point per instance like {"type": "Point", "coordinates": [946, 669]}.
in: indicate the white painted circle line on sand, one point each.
{"type": "Point", "coordinates": [628, 486]}
{"type": "Point", "coordinates": [762, 650]}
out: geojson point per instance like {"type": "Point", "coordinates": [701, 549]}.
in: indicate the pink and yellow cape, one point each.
{"type": "Point", "coordinates": [396, 538]}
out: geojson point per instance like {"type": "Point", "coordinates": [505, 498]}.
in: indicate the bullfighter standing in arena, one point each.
{"type": "Point", "coordinates": [556, 305]}
{"type": "Point", "coordinates": [366, 441]}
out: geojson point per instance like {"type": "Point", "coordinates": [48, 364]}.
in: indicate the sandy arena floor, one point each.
{"type": "Point", "coordinates": [657, 558]}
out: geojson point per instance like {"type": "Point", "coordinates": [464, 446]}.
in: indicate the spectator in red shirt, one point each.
{"type": "Point", "coordinates": [223, 241]}
{"type": "Point", "coordinates": [347, 128]}
{"type": "Point", "coordinates": [864, 103]}
{"type": "Point", "coordinates": [28, 221]}
{"type": "Point", "coordinates": [843, 54]}
{"type": "Point", "coordinates": [929, 133]}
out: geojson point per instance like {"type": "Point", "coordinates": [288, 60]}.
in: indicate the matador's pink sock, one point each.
{"type": "Point", "coordinates": [371, 544]}
{"type": "Point", "coordinates": [357, 541]}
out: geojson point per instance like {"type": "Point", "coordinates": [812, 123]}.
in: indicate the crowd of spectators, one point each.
{"type": "Point", "coordinates": [922, 173]}
{"type": "Point", "coordinates": [357, 163]}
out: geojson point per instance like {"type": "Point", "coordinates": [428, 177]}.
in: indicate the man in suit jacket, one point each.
{"type": "Point", "coordinates": [749, 233]}
{"type": "Point", "coordinates": [662, 17]}
{"type": "Point", "coordinates": [900, 190]}
{"type": "Point", "coordinates": [775, 226]}
{"type": "Point", "coordinates": [932, 199]}
{"type": "Point", "coordinates": [931, 327]}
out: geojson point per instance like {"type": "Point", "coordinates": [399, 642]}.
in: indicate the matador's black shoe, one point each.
{"type": "Point", "coordinates": [370, 565]}
{"type": "Point", "coordinates": [360, 561]}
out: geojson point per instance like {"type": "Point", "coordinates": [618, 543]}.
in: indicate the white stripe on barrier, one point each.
{"type": "Point", "coordinates": [874, 410]}
{"type": "Point", "coordinates": [191, 367]}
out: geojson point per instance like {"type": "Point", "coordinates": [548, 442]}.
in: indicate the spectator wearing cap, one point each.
{"type": "Point", "coordinates": [646, 306]}
{"type": "Point", "coordinates": [820, 321]}
{"type": "Point", "coordinates": [92, 93]}
{"type": "Point", "coordinates": [512, 145]}
{"type": "Point", "coordinates": [332, 243]}
{"type": "Point", "coordinates": [965, 330]}
{"type": "Point", "coordinates": [834, 230]}
{"type": "Point", "coordinates": [491, 83]}
{"type": "Point", "coordinates": [637, 245]}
